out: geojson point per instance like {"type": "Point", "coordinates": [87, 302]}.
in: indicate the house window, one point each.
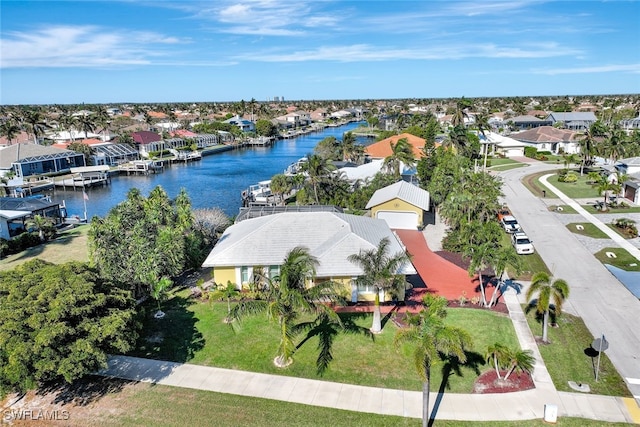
{"type": "Point", "coordinates": [274, 270]}
{"type": "Point", "coordinates": [365, 289]}
{"type": "Point", "coordinates": [244, 274]}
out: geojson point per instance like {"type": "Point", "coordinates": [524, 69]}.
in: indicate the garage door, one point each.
{"type": "Point", "coordinates": [402, 220]}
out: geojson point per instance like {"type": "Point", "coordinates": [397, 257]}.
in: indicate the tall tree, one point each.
{"type": "Point", "coordinates": [9, 129]}
{"type": "Point", "coordinates": [547, 290]}
{"type": "Point", "coordinates": [86, 124]}
{"type": "Point", "coordinates": [433, 340]}
{"type": "Point", "coordinates": [317, 169]}
{"type": "Point", "coordinates": [35, 123]}
{"type": "Point", "coordinates": [291, 295]}
{"type": "Point", "coordinates": [381, 272]}
{"type": "Point", "coordinates": [401, 153]}
{"type": "Point", "coordinates": [142, 239]}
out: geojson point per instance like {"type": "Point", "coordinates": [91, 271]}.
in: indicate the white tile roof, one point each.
{"type": "Point", "coordinates": [331, 237]}
{"type": "Point", "coordinates": [404, 191]}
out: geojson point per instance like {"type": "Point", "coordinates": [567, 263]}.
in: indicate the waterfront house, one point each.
{"type": "Point", "coordinates": [331, 237]}
{"type": "Point", "coordinates": [241, 123]}
{"type": "Point", "coordinates": [528, 122]}
{"type": "Point", "coordinates": [29, 159]}
{"type": "Point", "coordinates": [382, 149]}
{"type": "Point", "coordinates": [576, 120]}
{"type": "Point", "coordinates": [503, 145]}
{"type": "Point", "coordinates": [402, 205]}
{"type": "Point", "coordinates": [16, 212]}
{"type": "Point", "coordinates": [148, 142]}
{"type": "Point", "coordinates": [548, 138]}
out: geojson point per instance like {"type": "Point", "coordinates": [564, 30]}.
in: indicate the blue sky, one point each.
{"type": "Point", "coordinates": [187, 51]}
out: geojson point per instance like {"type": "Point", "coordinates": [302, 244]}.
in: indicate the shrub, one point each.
{"type": "Point", "coordinates": [530, 152]}
{"type": "Point", "coordinates": [627, 226]}
{"type": "Point", "coordinates": [568, 177]}
{"type": "Point", "coordinates": [22, 242]}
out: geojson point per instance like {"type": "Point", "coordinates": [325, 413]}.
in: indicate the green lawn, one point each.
{"type": "Point", "coordinates": [509, 166]}
{"type": "Point", "coordinates": [67, 246]}
{"type": "Point", "coordinates": [623, 260]}
{"type": "Point", "coordinates": [562, 209]}
{"type": "Point", "coordinates": [580, 189]}
{"type": "Point", "coordinates": [111, 402]}
{"type": "Point", "coordinates": [195, 332]}
{"type": "Point", "coordinates": [588, 229]}
{"type": "Point", "coordinates": [566, 360]}
{"type": "Point", "coordinates": [170, 406]}
{"type": "Point", "coordinates": [531, 263]}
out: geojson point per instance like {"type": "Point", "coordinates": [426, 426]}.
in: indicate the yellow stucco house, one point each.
{"type": "Point", "coordinates": [402, 205]}
{"type": "Point", "coordinates": [331, 237]}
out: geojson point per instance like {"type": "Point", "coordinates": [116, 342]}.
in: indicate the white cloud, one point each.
{"type": "Point", "coordinates": [612, 68]}
{"type": "Point", "coordinates": [365, 52]}
{"type": "Point", "coordinates": [81, 46]}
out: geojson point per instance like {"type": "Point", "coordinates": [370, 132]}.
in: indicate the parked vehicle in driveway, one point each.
{"type": "Point", "coordinates": [510, 224]}
{"type": "Point", "coordinates": [522, 243]}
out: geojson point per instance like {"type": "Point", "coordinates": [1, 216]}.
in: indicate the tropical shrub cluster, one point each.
{"type": "Point", "coordinates": [144, 239]}
{"type": "Point", "coordinates": [59, 322]}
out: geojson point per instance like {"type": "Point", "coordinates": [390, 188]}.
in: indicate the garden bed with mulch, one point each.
{"type": "Point", "coordinates": [488, 382]}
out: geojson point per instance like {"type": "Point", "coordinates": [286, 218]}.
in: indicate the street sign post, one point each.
{"type": "Point", "coordinates": [600, 344]}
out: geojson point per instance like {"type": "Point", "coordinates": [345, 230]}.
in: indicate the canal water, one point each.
{"type": "Point", "coordinates": [215, 181]}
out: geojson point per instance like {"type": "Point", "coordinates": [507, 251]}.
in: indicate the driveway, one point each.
{"type": "Point", "coordinates": [604, 304]}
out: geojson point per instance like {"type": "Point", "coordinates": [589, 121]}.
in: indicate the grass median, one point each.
{"type": "Point", "coordinates": [569, 357]}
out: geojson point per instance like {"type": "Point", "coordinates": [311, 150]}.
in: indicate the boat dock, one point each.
{"type": "Point", "coordinates": [185, 156]}
{"type": "Point", "coordinates": [261, 141]}
{"type": "Point", "coordinates": [144, 167]}
{"type": "Point", "coordinates": [83, 177]}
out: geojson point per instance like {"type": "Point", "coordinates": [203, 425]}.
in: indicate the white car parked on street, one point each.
{"type": "Point", "coordinates": [522, 243]}
{"type": "Point", "coordinates": [510, 224]}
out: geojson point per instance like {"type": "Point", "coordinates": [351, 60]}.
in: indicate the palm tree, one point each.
{"type": "Point", "coordinates": [41, 224]}
{"type": "Point", "coordinates": [433, 340]}
{"type": "Point", "coordinates": [317, 168]}
{"type": "Point", "coordinates": [521, 361]}
{"type": "Point", "coordinates": [159, 292]}
{"type": "Point", "coordinates": [35, 123]}
{"type": "Point", "coordinates": [505, 257]}
{"type": "Point", "coordinates": [497, 353]}
{"type": "Point", "coordinates": [401, 152]}
{"type": "Point", "coordinates": [10, 129]}
{"type": "Point", "coordinates": [227, 293]}
{"type": "Point", "coordinates": [380, 272]}
{"type": "Point", "coordinates": [86, 124]}
{"type": "Point", "coordinates": [289, 296]}
{"type": "Point", "coordinates": [547, 290]}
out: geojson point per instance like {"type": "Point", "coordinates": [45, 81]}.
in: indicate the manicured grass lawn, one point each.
{"type": "Point", "coordinates": [508, 166]}
{"type": "Point", "coordinates": [195, 332]}
{"type": "Point", "coordinates": [580, 189]}
{"type": "Point", "coordinates": [566, 360]}
{"type": "Point", "coordinates": [531, 263]}
{"type": "Point", "coordinates": [534, 185]}
{"type": "Point", "coordinates": [562, 209]}
{"type": "Point", "coordinates": [68, 245]}
{"type": "Point", "coordinates": [623, 259]}
{"type": "Point", "coordinates": [612, 210]}
{"type": "Point", "coordinates": [588, 230]}
{"type": "Point", "coordinates": [110, 402]}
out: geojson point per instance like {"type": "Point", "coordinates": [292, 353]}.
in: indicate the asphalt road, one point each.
{"type": "Point", "coordinates": [604, 304]}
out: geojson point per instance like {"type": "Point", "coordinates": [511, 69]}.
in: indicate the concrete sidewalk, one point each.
{"type": "Point", "coordinates": [469, 407]}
